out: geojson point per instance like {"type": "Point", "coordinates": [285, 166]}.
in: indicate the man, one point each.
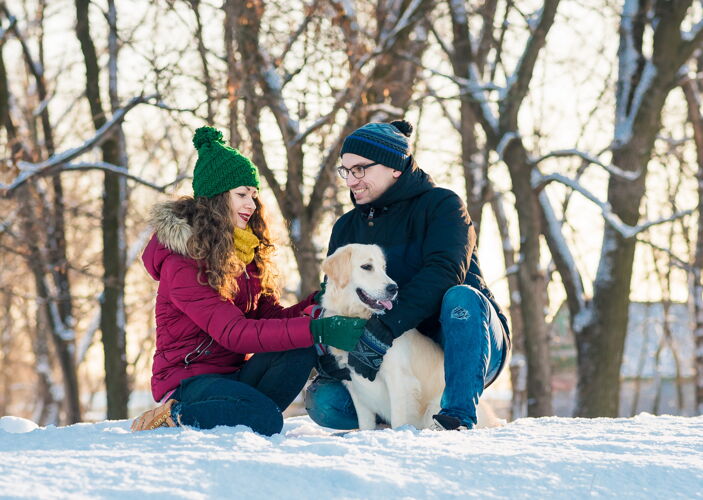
{"type": "Point", "coordinates": [430, 247]}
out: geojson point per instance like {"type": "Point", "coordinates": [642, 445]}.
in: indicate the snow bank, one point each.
{"type": "Point", "coordinates": [641, 457]}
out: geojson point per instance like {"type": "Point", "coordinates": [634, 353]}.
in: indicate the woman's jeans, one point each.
{"type": "Point", "coordinates": [474, 351]}
{"type": "Point", "coordinates": [254, 396]}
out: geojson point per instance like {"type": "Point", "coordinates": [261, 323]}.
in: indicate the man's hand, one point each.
{"type": "Point", "coordinates": [367, 356]}
{"type": "Point", "coordinates": [327, 366]}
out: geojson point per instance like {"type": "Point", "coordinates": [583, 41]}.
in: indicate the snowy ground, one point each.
{"type": "Point", "coordinates": [641, 457]}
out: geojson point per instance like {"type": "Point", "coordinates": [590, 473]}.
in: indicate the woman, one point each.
{"type": "Point", "coordinates": [217, 301]}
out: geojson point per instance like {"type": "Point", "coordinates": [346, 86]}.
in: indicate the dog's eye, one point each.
{"type": "Point", "coordinates": [367, 267]}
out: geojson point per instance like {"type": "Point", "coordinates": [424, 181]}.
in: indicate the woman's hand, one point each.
{"type": "Point", "coordinates": [341, 332]}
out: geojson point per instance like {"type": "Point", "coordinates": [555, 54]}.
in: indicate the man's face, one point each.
{"type": "Point", "coordinates": [373, 184]}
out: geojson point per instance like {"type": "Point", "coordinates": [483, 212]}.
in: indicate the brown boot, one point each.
{"type": "Point", "coordinates": [158, 417]}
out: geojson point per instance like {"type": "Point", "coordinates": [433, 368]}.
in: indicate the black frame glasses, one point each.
{"type": "Point", "coordinates": [358, 171]}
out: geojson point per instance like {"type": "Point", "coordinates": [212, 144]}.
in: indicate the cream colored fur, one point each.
{"type": "Point", "coordinates": [409, 384]}
{"type": "Point", "coordinates": [172, 231]}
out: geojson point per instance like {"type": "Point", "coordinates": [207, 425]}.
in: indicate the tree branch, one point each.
{"type": "Point", "coordinates": [518, 83]}
{"type": "Point", "coordinates": [563, 259]}
{"type": "Point", "coordinates": [539, 181]}
{"type": "Point", "coordinates": [611, 169]}
{"type": "Point", "coordinates": [57, 161]}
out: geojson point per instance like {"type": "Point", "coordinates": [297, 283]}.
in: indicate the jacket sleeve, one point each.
{"type": "Point", "coordinates": [224, 321]}
{"type": "Point", "coordinates": [446, 252]}
{"type": "Point", "coordinates": [269, 307]}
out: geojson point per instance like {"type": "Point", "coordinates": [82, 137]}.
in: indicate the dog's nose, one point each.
{"type": "Point", "coordinates": [393, 288]}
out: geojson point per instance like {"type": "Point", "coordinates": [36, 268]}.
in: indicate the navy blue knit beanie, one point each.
{"type": "Point", "coordinates": [384, 143]}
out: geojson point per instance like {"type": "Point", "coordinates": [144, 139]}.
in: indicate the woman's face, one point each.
{"type": "Point", "coordinates": [241, 202]}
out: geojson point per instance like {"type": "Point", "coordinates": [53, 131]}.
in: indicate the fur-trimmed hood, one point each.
{"type": "Point", "coordinates": [171, 234]}
{"type": "Point", "coordinates": [172, 231]}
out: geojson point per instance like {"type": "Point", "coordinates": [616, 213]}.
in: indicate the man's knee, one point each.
{"type": "Point", "coordinates": [328, 404]}
{"type": "Point", "coordinates": [460, 301]}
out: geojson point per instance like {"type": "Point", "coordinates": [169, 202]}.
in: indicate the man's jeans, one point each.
{"type": "Point", "coordinates": [474, 352]}
{"type": "Point", "coordinates": [254, 396]}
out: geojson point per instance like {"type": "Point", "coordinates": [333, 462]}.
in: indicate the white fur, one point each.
{"type": "Point", "coordinates": [410, 382]}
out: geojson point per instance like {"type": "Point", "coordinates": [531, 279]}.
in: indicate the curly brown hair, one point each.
{"type": "Point", "coordinates": [212, 243]}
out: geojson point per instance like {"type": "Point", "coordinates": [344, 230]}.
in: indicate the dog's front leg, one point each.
{"type": "Point", "coordinates": [366, 417]}
{"type": "Point", "coordinates": [403, 391]}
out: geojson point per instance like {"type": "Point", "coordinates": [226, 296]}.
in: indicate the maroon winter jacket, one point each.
{"type": "Point", "coordinates": [197, 331]}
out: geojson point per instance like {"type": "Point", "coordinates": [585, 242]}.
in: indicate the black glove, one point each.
{"type": "Point", "coordinates": [367, 355]}
{"type": "Point", "coordinates": [327, 366]}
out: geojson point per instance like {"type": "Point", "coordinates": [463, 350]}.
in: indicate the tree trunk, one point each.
{"type": "Point", "coordinates": [692, 93]}
{"type": "Point", "coordinates": [54, 292]}
{"type": "Point", "coordinates": [112, 318]}
{"type": "Point", "coordinates": [600, 344]}
{"type": "Point", "coordinates": [532, 284]}
{"type": "Point", "coordinates": [518, 360]}
{"type": "Point", "coordinates": [643, 85]}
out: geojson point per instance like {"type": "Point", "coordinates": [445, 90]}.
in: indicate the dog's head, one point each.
{"type": "Point", "coordinates": [357, 283]}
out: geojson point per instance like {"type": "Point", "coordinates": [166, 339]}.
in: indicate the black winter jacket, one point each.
{"type": "Point", "coordinates": [426, 235]}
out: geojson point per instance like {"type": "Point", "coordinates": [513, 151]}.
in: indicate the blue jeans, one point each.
{"type": "Point", "coordinates": [254, 396]}
{"type": "Point", "coordinates": [474, 352]}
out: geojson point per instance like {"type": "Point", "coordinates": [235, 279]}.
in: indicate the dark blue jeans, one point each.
{"type": "Point", "coordinates": [474, 352]}
{"type": "Point", "coordinates": [254, 396]}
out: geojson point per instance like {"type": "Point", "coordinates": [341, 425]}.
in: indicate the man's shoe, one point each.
{"type": "Point", "coordinates": [447, 423]}
{"type": "Point", "coordinates": [158, 417]}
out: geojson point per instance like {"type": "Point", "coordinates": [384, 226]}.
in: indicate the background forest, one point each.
{"type": "Point", "coordinates": [573, 130]}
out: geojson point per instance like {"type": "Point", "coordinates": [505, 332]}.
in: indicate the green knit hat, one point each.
{"type": "Point", "coordinates": [219, 168]}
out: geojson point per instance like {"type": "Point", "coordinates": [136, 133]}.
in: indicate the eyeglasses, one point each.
{"type": "Point", "coordinates": [357, 171]}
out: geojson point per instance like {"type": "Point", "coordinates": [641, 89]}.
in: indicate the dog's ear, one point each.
{"type": "Point", "coordinates": [338, 266]}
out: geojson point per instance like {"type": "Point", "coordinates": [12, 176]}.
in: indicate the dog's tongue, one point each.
{"type": "Point", "coordinates": [386, 303]}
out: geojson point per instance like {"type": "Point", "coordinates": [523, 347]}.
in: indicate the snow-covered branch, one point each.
{"type": "Point", "coordinates": [97, 165]}
{"type": "Point", "coordinates": [539, 181]}
{"type": "Point", "coordinates": [59, 161]}
{"type": "Point", "coordinates": [564, 260]}
{"type": "Point", "coordinates": [403, 22]}
{"type": "Point", "coordinates": [611, 169]}
{"type": "Point", "coordinates": [505, 140]}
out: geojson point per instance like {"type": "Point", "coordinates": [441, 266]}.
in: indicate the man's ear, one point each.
{"type": "Point", "coordinates": [337, 266]}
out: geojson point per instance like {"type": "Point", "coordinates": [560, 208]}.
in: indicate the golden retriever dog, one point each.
{"type": "Point", "coordinates": [410, 382]}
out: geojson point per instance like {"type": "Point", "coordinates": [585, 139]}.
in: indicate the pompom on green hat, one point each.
{"type": "Point", "coordinates": [219, 167]}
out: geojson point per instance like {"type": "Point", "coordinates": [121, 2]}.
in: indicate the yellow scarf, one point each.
{"type": "Point", "coordinates": [245, 242]}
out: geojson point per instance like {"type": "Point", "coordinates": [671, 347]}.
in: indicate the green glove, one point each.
{"type": "Point", "coordinates": [341, 332]}
{"type": "Point", "coordinates": [317, 299]}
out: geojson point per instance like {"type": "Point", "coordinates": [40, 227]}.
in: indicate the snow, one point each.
{"type": "Point", "coordinates": [16, 425]}
{"type": "Point", "coordinates": [640, 457]}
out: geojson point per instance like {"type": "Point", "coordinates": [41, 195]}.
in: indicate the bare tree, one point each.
{"type": "Point", "coordinates": [42, 208]}
{"type": "Point", "coordinates": [263, 88]}
{"type": "Point", "coordinates": [112, 319]}
{"type": "Point", "coordinates": [499, 125]}
{"type": "Point", "coordinates": [644, 82]}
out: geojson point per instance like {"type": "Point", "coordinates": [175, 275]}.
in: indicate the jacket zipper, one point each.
{"type": "Point", "coordinates": [370, 216]}
{"type": "Point", "coordinates": [197, 352]}
{"type": "Point", "coordinates": [246, 275]}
